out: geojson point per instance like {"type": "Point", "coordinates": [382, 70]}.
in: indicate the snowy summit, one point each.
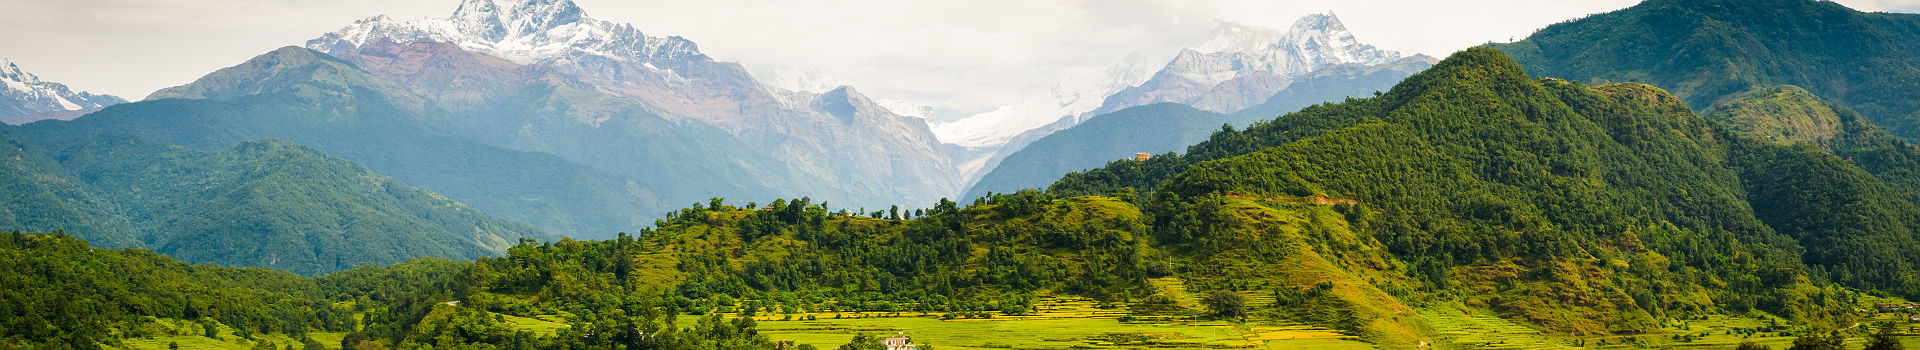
{"type": "Point", "coordinates": [553, 32]}
{"type": "Point", "coordinates": [22, 93]}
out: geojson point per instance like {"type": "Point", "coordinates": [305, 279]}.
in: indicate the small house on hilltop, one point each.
{"type": "Point", "coordinates": [1141, 157]}
{"type": "Point", "coordinates": [898, 343]}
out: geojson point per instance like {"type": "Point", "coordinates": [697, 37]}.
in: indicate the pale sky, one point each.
{"type": "Point", "coordinates": [961, 56]}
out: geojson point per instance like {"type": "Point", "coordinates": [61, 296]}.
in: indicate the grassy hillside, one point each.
{"type": "Point", "coordinates": [1704, 50]}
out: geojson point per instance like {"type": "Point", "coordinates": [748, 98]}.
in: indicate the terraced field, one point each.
{"type": "Point", "coordinates": [1057, 323]}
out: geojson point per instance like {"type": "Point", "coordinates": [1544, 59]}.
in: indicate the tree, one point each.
{"type": "Point", "coordinates": [863, 342]}
{"type": "Point", "coordinates": [1751, 346]}
{"type": "Point", "coordinates": [1884, 338]}
{"type": "Point", "coordinates": [1226, 303]}
{"type": "Point", "coordinates": [1819, 341]}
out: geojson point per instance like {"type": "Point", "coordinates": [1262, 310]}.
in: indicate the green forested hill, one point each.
{"type": "Point", "coordinates": [1471, 168]}
{"type": "Point", "coordinates": [272, 203]}
{"type": "Point", "coordinates": [41, 196]}
{"type": "Point", "coordinates": [1704, 50]}
{"type": "Point", "coordinates": [1789, 115]}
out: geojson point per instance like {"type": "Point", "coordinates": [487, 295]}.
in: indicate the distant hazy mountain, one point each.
{"type": "Point", "coordinates": [24, 98]}
{"type": "Point", "coordinates": [1156, 128]}
{"type": "Point", "coordinates": [1161, 128]}
{"type": "Point", "coordinates": [1706, 50]}
{"type": "Point", "coordinates": [845, 149]}
{"type": "Point", "coordinates": [1241, 75]}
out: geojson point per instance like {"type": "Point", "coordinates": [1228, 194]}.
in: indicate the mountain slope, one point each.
{"type": "Point", "coordinates": [1704, 50]}
{"type": "Point", "coordinates": [328, 104]}
{"type": "Point", "coordinates": [1789, 115]}
{"type": "Point", "coordinates": [23, 94]}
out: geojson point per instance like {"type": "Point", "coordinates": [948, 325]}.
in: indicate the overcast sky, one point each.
{"type": "Point", "coordinates": [963, 56]}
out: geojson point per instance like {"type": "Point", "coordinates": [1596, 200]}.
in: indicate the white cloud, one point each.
{"type": "Point", "coordinates": [964, 56]}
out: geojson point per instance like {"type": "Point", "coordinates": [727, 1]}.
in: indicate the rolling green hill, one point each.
{"type": "Point", "coordinates": [1704, 50]}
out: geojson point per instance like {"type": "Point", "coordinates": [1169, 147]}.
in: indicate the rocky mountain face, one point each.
{"type": "Point", "coordinates": [861, 154]}
{"type": "Point", "coordinates": [25, 98]}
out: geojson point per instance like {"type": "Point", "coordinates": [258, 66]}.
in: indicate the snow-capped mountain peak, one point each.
{"type": "Point", "coordinates": [522, 31]}
{"type": "Point", "coordinates": [22, 93]}
{"type": "Point", "coordinates": [1236, 37]}
{"type": "Point", "coordinates": [500, 19]}
{"type": "Point", "coordinates": [1315, 41]}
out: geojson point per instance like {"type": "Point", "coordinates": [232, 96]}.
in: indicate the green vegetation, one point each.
{"type": "Point", "coordinates": [1704, 50]}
